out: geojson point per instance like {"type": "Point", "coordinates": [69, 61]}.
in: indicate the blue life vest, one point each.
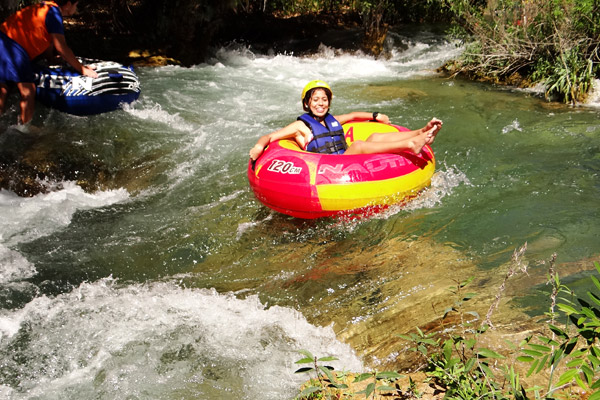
{"type": "Point", "coordinates": [326, 139]}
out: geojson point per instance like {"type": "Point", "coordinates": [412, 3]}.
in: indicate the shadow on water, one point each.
{"type": "Point", "coordinates": [374, 283]}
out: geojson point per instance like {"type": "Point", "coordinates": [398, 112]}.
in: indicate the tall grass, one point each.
{"type": "Point", "coordinates": [555, 42]}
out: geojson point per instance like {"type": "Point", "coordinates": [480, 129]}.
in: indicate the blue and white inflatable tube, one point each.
{"type": "Point", "coordinates": [62, 88]}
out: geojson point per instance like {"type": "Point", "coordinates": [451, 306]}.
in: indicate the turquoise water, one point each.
{"type": "Point", "coordinates": [172, 281]}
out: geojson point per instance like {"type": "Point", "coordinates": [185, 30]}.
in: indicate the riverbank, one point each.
{"type": "Point", "coordinates": [92, 33]}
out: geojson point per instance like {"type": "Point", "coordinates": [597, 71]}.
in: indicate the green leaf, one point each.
{"type": "Point", "coordinates": [362, 377]}
{"type": "Point", "coordinates": [487, 353]}
{"type": "Point", "coordinates": [470, 343]}
{"type": "Point", "coordinates": [526, 359]}
{"type": "Point", "coordinates": [570, 345]}
{"type": "Point", "coordinates": [340, 385]}
{"type": "Point", "coordinates": [575, 363]}
{"type": "Point", "coordinates": [388, 375]}
{"type": "Point", "coordinates": [567, 377]}
{"type": "Point", "coordinates": [386, 388]}
{"type": "Point", "coordinates": [580, 382]}
{"type": "Point", "coordinates": [540, 347]}
{"type": "Point", "coordinates": [588, 313]}
{"type": "Point", "coordinates": [533, 367]}
{"type": "Point", "coordinates": [566, 309]}
{"type": "Point", "coordinates": [594, 396]}
{"type": "Point", "coordinates": [309, 390]}
{"type": "Point", "coordinates": [328, 373]}
{"type": "Point", "coordinates": [370, 389]}
{"type": "Point", "coordinates": [595, 280]}
{"type": "Point", "coordinates": [556, 356]}
{"type": "Point", "coordinates": [594, 298]}
{"type": "Point", "coordinates": [532, 353]}
{"type": "Point", "coordinates": [305, 361]}
{"type": "Point", "coordinates": [593, 360]}
{"type": "Point", "coordinates": [301, 370]}
{"type": "Point", "coordinates": [558, 332]}
{"type": "Point", "coordinates": [466, 282]}
{"type": "Point", "coordinates": [447, 350]}
{"type": "Point", "coordinates": [470, 364]}
{"type": "Point", "coordinates": [547, 341]}
{"type": "Point", "coordinates": [328, 359]}
{"type": "Point", "coordinates": [589, 374]}
{"type": "Point", "coordinates": [487, 371]}
{"type": "Point", "coordinates": [306, 353]}
{"type": "Point", "coordinates": [542, 364]}
{"type": "Point", "coordinates": [469, 296]}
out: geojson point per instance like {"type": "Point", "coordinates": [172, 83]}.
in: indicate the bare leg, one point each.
{"type": "Point", "coordinates": [412, 141]}
{"type": "Point", "coordinates": [414, 145]}
{"type": "Point", "coordinates": [27, 101]}
{"type": "Point", "coordinates": [393, 136]}
{"type": "Point", "coordinates": [3, 94]}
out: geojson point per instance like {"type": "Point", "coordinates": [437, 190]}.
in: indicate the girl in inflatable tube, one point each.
{"type": "Point", "coordinates": [320, 132]}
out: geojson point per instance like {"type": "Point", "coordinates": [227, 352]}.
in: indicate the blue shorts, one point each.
{"type": "Point", "coordinates": [15, 65]}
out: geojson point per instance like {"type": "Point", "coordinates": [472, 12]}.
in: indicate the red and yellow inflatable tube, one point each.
{"type": "Point", "coordinates": [308, 185]}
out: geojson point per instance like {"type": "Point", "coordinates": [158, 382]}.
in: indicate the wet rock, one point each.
{"type": "Point", "coordinates": [33, 163]}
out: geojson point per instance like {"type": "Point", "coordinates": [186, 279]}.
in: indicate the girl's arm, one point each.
{"type": "Point", "coordinates": [361, 116]}
{"type": "Point", "coordinates": [297, 130]}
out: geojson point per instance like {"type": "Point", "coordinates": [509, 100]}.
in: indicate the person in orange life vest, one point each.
{"type": "Point", "coordinates": [27, 34]}
{"type": "Point", "coordinates": [317, 124]}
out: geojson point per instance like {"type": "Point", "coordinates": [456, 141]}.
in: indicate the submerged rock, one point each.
{"type": "Point", "coordinates": [33, 163]}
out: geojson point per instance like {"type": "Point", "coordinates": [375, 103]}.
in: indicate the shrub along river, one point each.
{"type": "Point", "coordinates": [173, 282]}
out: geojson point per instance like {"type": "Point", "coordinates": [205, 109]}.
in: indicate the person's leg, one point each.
{"type": "Point", "coordinates": [414, 145]}
{"type": "Point", "coordinates": [27, 103]}
{"type": "Point", "coordinates": [392, 136]}
{"type": "Point", "coordinates": [3, 95]}
{"type": "Point", "coordinates": [431, 129]}
{"type": "Point", "coordinates": [413, 141]}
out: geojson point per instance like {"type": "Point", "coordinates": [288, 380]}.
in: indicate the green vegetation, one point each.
{"type": "Point", "coordinates": [327, 385]}
{"type": "Point", "coordinates": [525, 42]}
{"type": "Point", "coordinates": [567, 356]}
{"type": "Point", "coordinates": [324, 378]}
{"type": "Point", "coordinates": [555, 42]}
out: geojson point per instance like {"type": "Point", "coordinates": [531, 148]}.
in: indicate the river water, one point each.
{"type": "Point", "coordinates": [173, 282]}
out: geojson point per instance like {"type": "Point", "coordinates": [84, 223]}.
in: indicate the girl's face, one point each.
{"type": "Point", "coordinates": [318, 103]}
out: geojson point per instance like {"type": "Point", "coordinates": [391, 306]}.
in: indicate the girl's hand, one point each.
{"type": "Point", "coordinates": [383, 118]}
{"type": "Point", "coordinates": [256, 151]}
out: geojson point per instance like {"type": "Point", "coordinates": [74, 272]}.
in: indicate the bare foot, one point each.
{"type": "Point", "coordinates": [430, 134]}
{"type": "Point", "coordinates": [417, 143]}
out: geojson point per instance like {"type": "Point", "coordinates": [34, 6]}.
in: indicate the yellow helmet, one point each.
{"type": "Point", "coordinates": [313, 85]}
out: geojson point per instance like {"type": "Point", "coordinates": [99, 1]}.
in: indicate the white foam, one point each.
{"type": "Point", "coordinates": [14, 267]}
{"type": "Point", "coordinates": [161, 339]}
{"type": "Point", "coordinates": [513, 126]}
{"type": "Point", "coordinates": [154, 112]}
{"type": "Point", "coordinates": [243, 227]}
{"type": "Point", "coordinates": [443, 183]}
{"type": "Point", "coordinates": [28, 218]}
{"type": "Point", "coordinates": [593, 99]}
